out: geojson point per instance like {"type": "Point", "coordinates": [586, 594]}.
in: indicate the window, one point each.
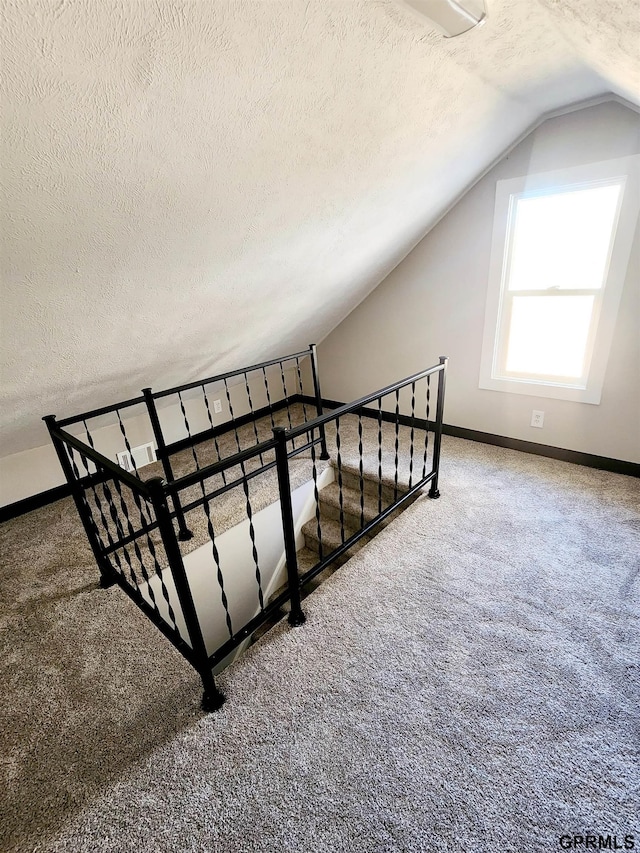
{"type": "Point", "coordinates": [560, 252]}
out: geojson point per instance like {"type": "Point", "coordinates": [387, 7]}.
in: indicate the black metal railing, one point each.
{"type": "Point", "coordinates": [135, 527]}
{"type": "Point", "coordinates": [379, 415]}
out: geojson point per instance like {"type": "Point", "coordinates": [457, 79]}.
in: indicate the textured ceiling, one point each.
{"type": "Point", "coordinates": [192, 186]}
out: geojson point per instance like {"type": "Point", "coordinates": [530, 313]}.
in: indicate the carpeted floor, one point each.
{"type": "Point", "coordinates": [467, 682]}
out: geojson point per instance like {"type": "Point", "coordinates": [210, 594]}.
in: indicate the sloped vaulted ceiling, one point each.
{"type": "Point", "coordinates": [193, 186]}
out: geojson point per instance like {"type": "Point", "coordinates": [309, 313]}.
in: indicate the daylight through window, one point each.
{"type": "Point", "coordinates": [560, 253]}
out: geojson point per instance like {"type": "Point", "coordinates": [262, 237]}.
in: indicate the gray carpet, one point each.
{"type": "Point", "coordinates": [467, 682]}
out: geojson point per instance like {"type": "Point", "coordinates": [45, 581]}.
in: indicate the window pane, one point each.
{"type": "Point", "coordinates": [548, 335]}
{"type": "Point", "coordinates": [562, 239]}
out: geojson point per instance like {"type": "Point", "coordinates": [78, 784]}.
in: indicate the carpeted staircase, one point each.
{"type": "Point", "coordinates": [330, 527]}
{"type": "Point", "coordinates": [360, 505]}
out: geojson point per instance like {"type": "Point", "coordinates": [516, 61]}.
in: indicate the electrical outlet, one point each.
{"type": "Point", "coordinates": [537, 419]}
{"type": "Point", "coordinates": [217, 406]}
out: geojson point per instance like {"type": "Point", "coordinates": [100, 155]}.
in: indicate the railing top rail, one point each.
{"type": "Point", "coordinates": [363, 401]}
{"type": "Point", "coordinates": [218, 467]}
{"type": "Point", "coordinates": [115, 470]}
{"type": "Point", "coordinates": [94, 413]}
{"type": "Point", "coordinates": [222, 376]}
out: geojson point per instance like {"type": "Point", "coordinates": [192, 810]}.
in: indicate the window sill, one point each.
{"type": "Point", "coordinates": [533, 388]}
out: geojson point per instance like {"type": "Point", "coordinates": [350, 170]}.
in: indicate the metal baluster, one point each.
{"type": "Point", "coordinates": [286, 397]}
{"type": "Point", "coordinates": [186, 424]}
{"type": "Point", "coordinates": [253, 417]}
{"type": "Point", "coordinates": [252, 534]}
{"type": "Point", "coordinates": [413, 416]}
{"type": "Point", "coordinates": [437, 438]}
{"type": "Point", "coordinates": [143, 518]}
{"type": "Point", "coordinates": [136, 496]}
{"type": "Point", "coordinates": [361, 470]}
{"type": "Point", "coordinates": [340, 495]}
{"type": "Point", "coordinates": [395, 482]}
{"type": "Point", "coordinates": [296, 615]}
{"type": "Point", "coordinates": [324, 453]}
{"type": "Point", "coordinates": [159, 572]}
{"type": "Point", "coordinates": [79, 498]}
{"type": "Point", "coordinates": [235, 429]}
{"type": "Point", "coordinates": [266, 388]}
{"type": "Point", "coordinates": [76, 472]}
{"type": "Point", "coordinates": [216, 558]}
{"type": "Point", "coordinates": [98, 502]}
{"type": "Point", "coordinates": [184, 534]}
{"type": "Point", "coordinates": [116, 521]}
{"type": "Point", "coordinates": [215, 440]}
{"type": "Point", "coordinates": [126, 442]}
{"type": "Point", "coordinates": [304, 408]}
{"type": "Point", "coordinates": [426, 433]}
{"type": "Point", "coordinates": [113, 512]}
{"type": "Point", "coordinates": [314, 470]}
{"type": "Point", "coordinates": [379, 455]}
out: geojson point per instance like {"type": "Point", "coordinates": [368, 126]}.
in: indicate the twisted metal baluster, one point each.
{"type": "Point", "coordinates": [426, 432]}
{"type": "Point", "coordinates": [113, 512]}
{"type": "Point", "coordinates": [186, 424]}
{"type": "Point", "coordinates": [216, 558]}
{"type": "Point", "coordinates": [395, 482]}
{"type": "Point", "coordinates": [126, 442]}
{"type": "Point", "coordinates": [314, 470]}
{"type": "Point", "coordinates": [143, 518]}
{"type": "Point", "coordinates": [253, 417]}
{"type": "Point", "coordinates": [158, 568]}
{"type": "Point", "coordinates": [286, 397]}
{"type": "Point", "coordinates": [145, 521]}
{"type": "Point", "coordinates": [361, 470]}
{"type": "Point", "coordinates": [233, 420]}
{"type": "Point", "coordinates": [252, 533]}
{"type": "Point", "coordinates": [215, 440]}
{"type": "Point", "coordinates": [76, 471]}
{"type": "Point", "coordinates": [304, 408]}
{"type": "Point", "coordinates": [98, 502]}
{"type": "Point", "coordinates": [266, 388]}
{"type": "Point", "coordinates": [339, 463]}
{"type": "Point", "coordinates": [413, 414]}
{"type": "Point", "coordinates": [379, 455]}
{"type": "Point", "coordinates": [116, 520]}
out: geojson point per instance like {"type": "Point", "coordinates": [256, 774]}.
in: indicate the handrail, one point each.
{"type": "Point", "coordinates": [221, 376]}
{"type": "Point", "coordinates": [115, 470]}
{"type": "Point", "coordinates": [104, 410]}
{"type": "Point", "coordinates": [308, 426]}
{"type": "Point", "coordinates": [219, 466]}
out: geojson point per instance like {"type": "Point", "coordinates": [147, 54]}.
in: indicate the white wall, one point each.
{"type": "Point", "coordinates": [433, 304]}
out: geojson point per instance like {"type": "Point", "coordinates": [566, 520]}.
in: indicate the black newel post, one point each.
{"type": "Point", "coordinates": [106, 571]}
{"type": "Point", "coordinates": [437, 442]}
{"type": "Point", "coordinates": [184, 534]}
{"type": "Point", "coordinates": [212, 698]}
{"type": "Point", "coordinates": [296, 617]}
{"type": "Point", "coordinates": [318, 395]}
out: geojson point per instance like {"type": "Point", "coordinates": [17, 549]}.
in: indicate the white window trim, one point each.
{"type": "Point", "coordinates": [604, 323]}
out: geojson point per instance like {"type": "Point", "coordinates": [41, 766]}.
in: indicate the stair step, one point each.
{"type": "Point", "coordinates": [306, 559]}
{"type": "Point", "coordinates": [351, 480]}
{"type": "Point", "coordinates": [330, 506]}
{"type": "Point", "coordinates": [331, 536]}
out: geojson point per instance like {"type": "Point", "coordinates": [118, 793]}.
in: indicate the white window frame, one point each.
{"type": "Point", "coordinates": [588, 389]}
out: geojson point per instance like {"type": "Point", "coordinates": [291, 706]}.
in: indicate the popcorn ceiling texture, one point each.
{"type": "Point", "coordinates": [189, 187]}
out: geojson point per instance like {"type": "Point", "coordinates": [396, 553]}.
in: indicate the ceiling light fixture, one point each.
{"type": "Point", "coordinates": [451, 17]}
